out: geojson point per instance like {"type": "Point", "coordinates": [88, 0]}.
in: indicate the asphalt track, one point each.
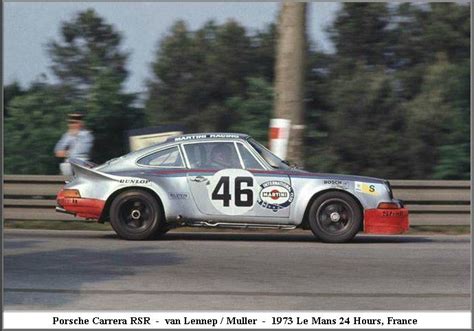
{"type": "Point", "coordinates": [94, 270]}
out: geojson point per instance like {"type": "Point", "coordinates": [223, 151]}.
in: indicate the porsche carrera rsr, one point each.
{"type": "Point", "coordinates": [226, 180]}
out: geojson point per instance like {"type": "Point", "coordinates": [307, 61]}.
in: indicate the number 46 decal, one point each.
{"type": "Point", "coordinates": [231, 191]}
{"type": "Point", "coordinates": [243, 197]}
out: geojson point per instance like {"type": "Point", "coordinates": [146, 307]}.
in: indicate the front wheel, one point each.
{"type": "Point", "coordinates": [335, 217]}
{"type": "Point", "coordinates": [136, 215]}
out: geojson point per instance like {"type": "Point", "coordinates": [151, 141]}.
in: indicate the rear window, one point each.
{"type": "Point", "coordinates": [167, 158]}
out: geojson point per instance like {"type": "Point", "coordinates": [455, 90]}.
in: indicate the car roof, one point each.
{"type": "Point", "coordinates": [205, 136]}
{"type": "Point", "coordinates": [187, 137]}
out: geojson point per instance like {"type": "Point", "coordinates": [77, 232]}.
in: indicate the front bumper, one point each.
{"type": "Point", "coordinates": [386, 221]}
{"type": "Point", "coordinates": [82, 207]}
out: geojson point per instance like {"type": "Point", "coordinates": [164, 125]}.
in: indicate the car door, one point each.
{"type": "Point", "coordinates": [218, 184]}
{"type": "Point", "coordinates": [222, 188]}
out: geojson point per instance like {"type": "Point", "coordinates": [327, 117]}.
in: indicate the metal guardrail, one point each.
{"type": "Point", "coordinates": [430, 202]}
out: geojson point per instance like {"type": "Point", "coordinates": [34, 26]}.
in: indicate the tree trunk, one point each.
{"type": "Point", "coordinates": [289, 74]}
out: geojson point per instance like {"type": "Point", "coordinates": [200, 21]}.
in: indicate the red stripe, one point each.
{"type": "Point", "coordinates": [275, 133]}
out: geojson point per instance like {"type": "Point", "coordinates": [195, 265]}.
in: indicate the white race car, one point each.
{"type": "Point", "coordinates": [226, 180]}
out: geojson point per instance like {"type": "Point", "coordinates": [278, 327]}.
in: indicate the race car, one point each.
{"type": "Point", "coordinates": [226, 180]}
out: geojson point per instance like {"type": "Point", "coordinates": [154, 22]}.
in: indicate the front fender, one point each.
{"type": "Point", "coordinates": [306, 190]}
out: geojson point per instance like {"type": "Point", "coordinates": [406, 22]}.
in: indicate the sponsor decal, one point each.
{"type": "Point", "coordinates": [231, 191]}
{"type": "Point", "coordinates": [366, 188]}
{"type": "Point", "coordinates": [134, 181]}
{"type": "Point", "coordinates": [204, 136]}
{"type": "Point", "coordinates": [179, 196]}
{"type": "Point", "coordinates": [275, 195]}
{"type": "Point", "coordinates": [391, 213]}
{"type": "Point", "coordinates": [336, 183]}
{"type": "Point", "coordinates": [201, 136]}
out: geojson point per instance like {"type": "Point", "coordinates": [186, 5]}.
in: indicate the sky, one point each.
{"type": "Point", "coordinates": [28, 26]}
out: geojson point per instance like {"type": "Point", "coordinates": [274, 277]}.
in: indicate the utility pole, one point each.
{"type": "Point", "coordinates": [289, 71]}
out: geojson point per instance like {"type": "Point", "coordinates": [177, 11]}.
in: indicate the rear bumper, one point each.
{"type": "Point", "coordinates": [386, 221]}
{"type": "Point", "coordinates": [82, 207]}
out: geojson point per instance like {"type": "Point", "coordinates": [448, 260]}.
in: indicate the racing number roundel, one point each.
{"type": "Point", "coordinates": [232, 191]}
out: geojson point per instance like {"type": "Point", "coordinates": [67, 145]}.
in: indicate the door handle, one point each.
{"type": "Point", "coordinates": [200, 179]}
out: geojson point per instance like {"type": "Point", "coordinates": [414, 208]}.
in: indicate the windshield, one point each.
{"type": "Point", "coordinates": [273, 160]}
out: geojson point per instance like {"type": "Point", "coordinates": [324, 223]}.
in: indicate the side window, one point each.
{"type": "Point", "coordinates": [250, 161]}
{"type": "Point", "coordinates": [167, 158]}
{"type": "Point", "coordinates": [217, 155]}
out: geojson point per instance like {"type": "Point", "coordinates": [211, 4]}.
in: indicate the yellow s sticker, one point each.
{"type": "Point", "coordinates": [366, 188]}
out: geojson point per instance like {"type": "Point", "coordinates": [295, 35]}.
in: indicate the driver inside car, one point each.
{"type": "Point", "coordinates": [222, 157]}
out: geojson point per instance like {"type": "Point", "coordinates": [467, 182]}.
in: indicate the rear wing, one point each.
{"type": "Point", "coordinates": [81, 168]}
{"type": "Point", "coordinates": [82, 163]}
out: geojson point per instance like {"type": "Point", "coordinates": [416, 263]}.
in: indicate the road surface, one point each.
{"type": "Point", "coordinates": [94, 270]}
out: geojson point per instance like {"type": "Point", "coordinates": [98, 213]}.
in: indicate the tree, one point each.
{"type": "Point", "coordinates": [423, 32]}
{"type": "Point", "coordinates": [11, 91]}
{"type": "Point", "coordinates": [393, 100]}
{"type": "Point", "coordinates": [109, 119]}
{"type": "Point", "coordinates": [88, 46]}
{"type": "Point", "coordinates": [438, 123]}
{"type": "Point", "coordinates": [34, 125]}
{"type": "Point", "coordinates": [363, 126]}
{"type": "Point", "coordinates": [195, 72]}
{"type": "Point", "coordinates": [361, 33]}
{"type": "Point", "coordinates": [90, 65]}
{"type": "Point", "coordinates": [253, 111]}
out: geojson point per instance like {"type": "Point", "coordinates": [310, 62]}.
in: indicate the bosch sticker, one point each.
{"type": "Point", "coordinates": [336, 183]}
{"type": "Point", "coordinates": [275, 195]}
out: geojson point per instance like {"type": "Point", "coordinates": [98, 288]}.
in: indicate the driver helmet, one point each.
{"type": "Point", "coordinates": [222, 155]}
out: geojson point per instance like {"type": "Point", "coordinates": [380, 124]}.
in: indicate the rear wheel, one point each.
{"type": "Point", "coordinates": [136, 215]}
{"type": "Point", "coordinates": [335, 217]}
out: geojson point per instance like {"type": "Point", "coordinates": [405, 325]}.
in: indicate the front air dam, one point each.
{"type": "Point", "coordinates": [386, 221]}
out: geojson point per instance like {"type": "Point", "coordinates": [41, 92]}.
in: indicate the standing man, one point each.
{"type": "Point", "coordinates": [75, 143]}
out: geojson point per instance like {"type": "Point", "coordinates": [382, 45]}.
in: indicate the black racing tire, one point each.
{"type": "Point", "coordinates": [136, 215]}
{"type": "Point", "coordinates": [335, 217]}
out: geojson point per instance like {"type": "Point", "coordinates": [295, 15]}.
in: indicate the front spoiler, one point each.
{"type": "Point", "coordinates": [386, 221]}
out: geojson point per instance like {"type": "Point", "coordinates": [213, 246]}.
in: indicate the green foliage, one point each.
{"type": "Point", "coordinates": [438, 123]}
{"type": "Point", "coordinates": [109, 117]}
{"type": "Point", "coordinates": [88, 46]}
{"type": "Point", "coordinates": [360, 126]}
{"type": "Point", "coordinates": [10, 91]}
{"type": "Point", "coordinates": [32, 130]}
{"type": "Point", "coordinates": [254, 110]}
{"type": "Point", "coordinates": [361, 32]}
{"type": "Point", "coordinates": [196, 72]}
{"type": "Point", "coordinates": [393, 101]}
{"type": "Point", "coordinates": [90, 65]}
